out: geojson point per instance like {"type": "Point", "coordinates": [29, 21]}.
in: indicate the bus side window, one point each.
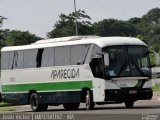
{"type": "Point", "coordinates": [78, 54]}
{"type": "Point", "coordinates": [5, 60]}
{"type": "Point", "coordinates": [96, 62]}
{"type": "Point", "coordinates": [12, 60]}
{"type": "Point", "coordinates": [20, 60]}
{"type": "Point", "coordinates": [62, 56]}
{"type": "Point", "coordinates": [96, 49]}
{"type": "Point", "coordinates": [48, 57]}
{"type": "Point", "coordinates": [30, 57]}
{"type": "Point", "coordinates": [16, 60]}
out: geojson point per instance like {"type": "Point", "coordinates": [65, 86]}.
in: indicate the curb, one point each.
{"type": "Point", "coordinates": [156, 96]}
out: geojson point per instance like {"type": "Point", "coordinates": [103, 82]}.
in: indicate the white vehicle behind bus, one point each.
{"type": "Point", "coordinates": [78, 69]}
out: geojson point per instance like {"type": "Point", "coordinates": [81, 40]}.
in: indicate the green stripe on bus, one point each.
{"type": "Point", "coordinates": [70, 85]}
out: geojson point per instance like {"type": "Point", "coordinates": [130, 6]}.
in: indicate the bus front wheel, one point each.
{"type": "Point", "coordinates": [129, 104]}
{"type": "Point", "coordinates": [35, 104]}
{"type": "Point", "coordinates": [89, 100]}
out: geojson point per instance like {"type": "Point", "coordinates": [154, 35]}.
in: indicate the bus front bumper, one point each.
{"type": "Point", "coordinates": [121, 95]}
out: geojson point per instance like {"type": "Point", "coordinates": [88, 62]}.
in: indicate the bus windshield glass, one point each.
{"type": "Point", "coordinates": [128, 61]}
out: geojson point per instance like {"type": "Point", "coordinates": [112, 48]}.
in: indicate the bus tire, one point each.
{"type": "Point", "coordinates": [34, 102]}
{"type": "Point", "coordinates": [44, 107]}
{"type": "Point", "coordinates": [129, 104]}
{"type": "Point", "coordinates": [89, 100]}
{"type": "Point", "coordinates": [71, 106]}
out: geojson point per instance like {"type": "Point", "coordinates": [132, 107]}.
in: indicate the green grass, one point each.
{"type": "Point", "coordinates": [2, 104]}
{"type": "Point", "coordinates": [7, 109]}
{"type": "Point", "coordinates": [156, 88]}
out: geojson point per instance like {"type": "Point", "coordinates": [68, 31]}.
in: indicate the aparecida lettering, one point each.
{"type": "Point", "coordinates": [65, 73]}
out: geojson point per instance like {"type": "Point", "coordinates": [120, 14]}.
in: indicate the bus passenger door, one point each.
{"type": "Point", "coordinates": [98, 90]}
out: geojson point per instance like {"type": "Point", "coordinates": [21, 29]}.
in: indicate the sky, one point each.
{"type": "Point", "coordinates": [39, 16]}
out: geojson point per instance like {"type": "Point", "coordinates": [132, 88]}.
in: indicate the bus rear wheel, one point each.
{"type": "Point", "coordinates": [35, 104]}
{"type": "Point", "coordinates": [89, 100]}
{"type": "Point", "coordinates": [71, 106]}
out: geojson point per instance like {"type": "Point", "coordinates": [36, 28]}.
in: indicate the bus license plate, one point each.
{"type": "Point", "coordinates": [133, 92]}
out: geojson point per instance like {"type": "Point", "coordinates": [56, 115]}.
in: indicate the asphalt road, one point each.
{"type": "Point", "coordinates": [143, 110]}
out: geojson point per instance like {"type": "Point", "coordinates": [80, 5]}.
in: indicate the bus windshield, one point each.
{"type": "Point", "coordinates": [128, 61]}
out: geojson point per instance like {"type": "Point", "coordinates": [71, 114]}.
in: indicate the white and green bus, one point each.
{"type": "Point", "coordinates": [78, 69]}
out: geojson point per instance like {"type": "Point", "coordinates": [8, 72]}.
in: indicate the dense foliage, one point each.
{"type": "Point", "coordinates": [66, 25]}
{"type": "Point", "coordinates": [147, 28]}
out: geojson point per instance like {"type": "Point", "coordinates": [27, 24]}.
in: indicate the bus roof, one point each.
{"type": "Point", "coordinates": [76, 40]}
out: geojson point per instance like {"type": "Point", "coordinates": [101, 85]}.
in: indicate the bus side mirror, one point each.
{"type": "Point", "coordinates": [106, 59]}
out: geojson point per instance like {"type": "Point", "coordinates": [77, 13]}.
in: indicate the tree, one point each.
{"type": "Point", "coordinates": [66, 25]}
{"type": "Point", "coordinates": [113, 27]}
{"type": "Point", "coordinates": [143, 31]}
{"type": "Point", "coordinates": [148, 27]}
{"type": "Point", "coordinates": [1, 20]}
{"type": "Point", "coordinates": [153, 16]}
{"type": "Point", "coordinates": [16, 37]}
{"type": "Point", "coordinates": [134, 20]}
{"type": "Point", "coordinates": [3, 33]}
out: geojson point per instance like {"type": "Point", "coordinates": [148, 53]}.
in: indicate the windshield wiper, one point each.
{"type": "Point", "coordinates": [139, 70]}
